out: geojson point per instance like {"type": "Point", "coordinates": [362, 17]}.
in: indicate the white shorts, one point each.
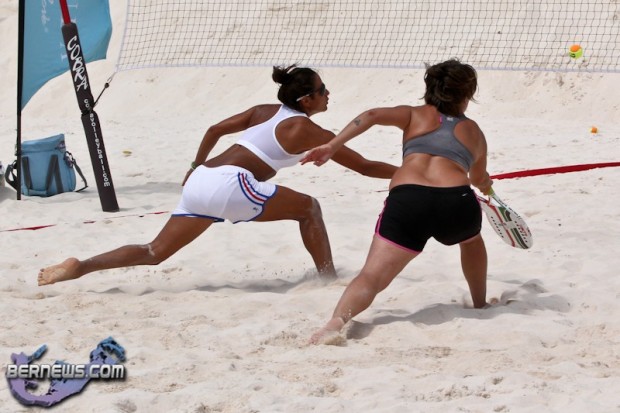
{"type": "Point", "coordinates": [226, 192]}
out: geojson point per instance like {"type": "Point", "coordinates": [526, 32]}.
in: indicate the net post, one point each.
{"type": "Point", "coordinates": [64, 9]}
{"type": "Point", "coordinates": [20, 84]}
{"type": "Point", "coordinates": [90, 120]}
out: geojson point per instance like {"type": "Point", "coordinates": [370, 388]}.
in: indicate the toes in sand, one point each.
{"type": "Point", "coordinates": [333, 333]}
{"type": "Point", "coordinates": [329, 338]}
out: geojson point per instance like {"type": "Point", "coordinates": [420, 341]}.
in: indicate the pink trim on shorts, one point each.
{"type": "Point", "coordinates": [380, 216]}
{"type": "Point", "coordinates": [397, 245]}
{"type": "Point", "coordinates": [387, 240]}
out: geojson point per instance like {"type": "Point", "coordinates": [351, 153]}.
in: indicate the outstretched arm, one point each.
{"type": "Point", "coordinates": [398, 116]}
{"type": "Point", "coordinates": [352, 160]}
{"type": "Point", "coordinates": [236, 123]}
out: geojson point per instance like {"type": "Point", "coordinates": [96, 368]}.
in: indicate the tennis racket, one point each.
{"type": "Point", "coordinates": [506, 222]}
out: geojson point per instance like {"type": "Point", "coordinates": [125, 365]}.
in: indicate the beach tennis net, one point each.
{"type": "Point", "coordinates": [489, 34]}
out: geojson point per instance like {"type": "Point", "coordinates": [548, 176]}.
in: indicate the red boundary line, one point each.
{"type": "Point", "coordinates": [84, 222]}
{"type": "Point", "coordinates": [555, 170]}
{"type": "Point", "coordinates": [509, 175]}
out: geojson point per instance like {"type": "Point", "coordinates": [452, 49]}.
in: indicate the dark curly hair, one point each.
{"type": "Point", "coordinates": [294, 82]}
{"type": "Point", "coordinates": [449, 84]}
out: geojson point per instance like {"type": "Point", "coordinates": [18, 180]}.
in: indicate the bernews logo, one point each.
{"type": "Point", "coordinates": [65, 379]}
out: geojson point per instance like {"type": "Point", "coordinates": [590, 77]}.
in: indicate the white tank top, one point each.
{"type": "Point", "coordinates": [261, 140]}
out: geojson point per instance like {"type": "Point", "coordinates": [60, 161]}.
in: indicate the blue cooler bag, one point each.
{"type": "Point", "coordinates": [47, 168]}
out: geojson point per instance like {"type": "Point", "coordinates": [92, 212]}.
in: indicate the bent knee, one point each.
{"type": "Point", "coordinates": [314, 210]}
{"type": "Point", "coordinates": [475, 239]}
{"type": "Point", "coordinates": [315, 207]}
{"type": "Point", "coordinates": [311, 209]}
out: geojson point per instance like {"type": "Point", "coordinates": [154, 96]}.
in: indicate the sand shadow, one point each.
{"type": "Point", "coordinates": [529, 297]}
{"type": "Point", "coordinates": [277, 285]}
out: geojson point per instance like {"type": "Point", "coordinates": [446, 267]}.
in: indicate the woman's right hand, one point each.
{"type": "Point", "coordinates": [319, 155]}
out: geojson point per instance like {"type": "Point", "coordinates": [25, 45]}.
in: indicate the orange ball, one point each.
{"type": "Point", "coordinates": [593, 129]}
{"type": "Point", "coordinates": [575, 51]}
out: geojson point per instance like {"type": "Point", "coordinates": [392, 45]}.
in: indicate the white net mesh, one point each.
{"type": "Point", "coordinates": [489, 34]}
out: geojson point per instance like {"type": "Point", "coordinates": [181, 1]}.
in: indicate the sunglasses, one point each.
{"type": "Point", "coordinates": [320, 91]}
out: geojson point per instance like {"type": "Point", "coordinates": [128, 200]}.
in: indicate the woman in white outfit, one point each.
{"type": "Point", "coordinates": [232, 186]}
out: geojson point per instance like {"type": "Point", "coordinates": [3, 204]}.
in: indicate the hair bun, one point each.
{"type": "Point", "coordinates": [283, 75]}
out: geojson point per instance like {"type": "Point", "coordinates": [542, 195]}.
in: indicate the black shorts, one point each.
{"type": "Point", "coordinates": [415, 213]}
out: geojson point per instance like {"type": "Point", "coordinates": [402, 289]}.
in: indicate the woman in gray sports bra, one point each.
{"type": "Point", "coordinates": [444, 153]}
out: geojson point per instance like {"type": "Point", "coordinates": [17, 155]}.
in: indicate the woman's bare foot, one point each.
{"type": "Point", "coordinates": [329, 334]}
{"type": "Point", "coordinates": [66, 270]}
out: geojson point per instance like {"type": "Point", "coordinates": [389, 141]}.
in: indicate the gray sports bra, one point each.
{"type": "Point", "coordinates": [442, 142]}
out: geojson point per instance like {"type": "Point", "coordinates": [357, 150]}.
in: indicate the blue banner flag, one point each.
{"type": "Point", "coordinates": [44, 49]}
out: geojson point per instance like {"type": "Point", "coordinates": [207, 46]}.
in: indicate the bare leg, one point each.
{"type": "Point", "coordinates": [177, 233]}
{"type": "Point", "coordinates": [474, 264]}
{"type": "Point", "coordinates": [384, 262]}
{"type": "Point", "coordinates": [289, 204]}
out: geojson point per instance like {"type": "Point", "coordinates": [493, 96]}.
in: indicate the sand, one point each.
{"type": "Point", "coordinates": [223, 325]}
